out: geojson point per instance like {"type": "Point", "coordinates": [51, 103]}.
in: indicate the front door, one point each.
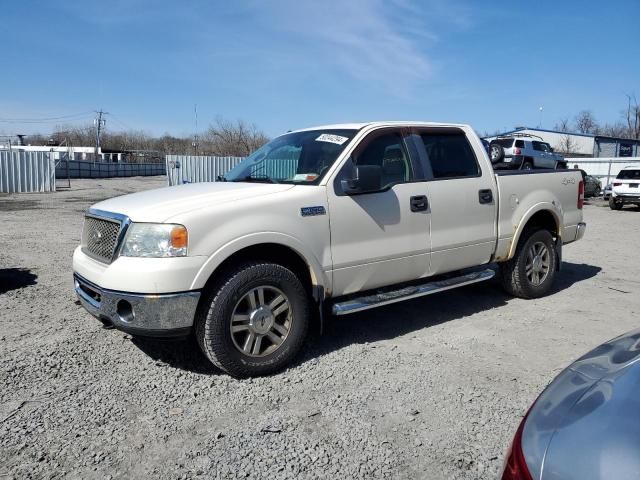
{"type": "Point", "coordinates": [379, 238]}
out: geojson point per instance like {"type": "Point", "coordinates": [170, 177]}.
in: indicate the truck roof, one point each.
{"type": "Point", "coordinates": [358, 126]}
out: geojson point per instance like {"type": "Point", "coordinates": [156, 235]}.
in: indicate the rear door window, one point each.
{"type": "Point", "coordinates": [450, 155]}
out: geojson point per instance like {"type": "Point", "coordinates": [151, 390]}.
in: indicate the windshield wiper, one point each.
{"type": "Point", "coordinates": [250, 178]}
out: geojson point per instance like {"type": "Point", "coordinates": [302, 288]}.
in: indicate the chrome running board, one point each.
{"type": "Point", "coordinates": [407, 293]}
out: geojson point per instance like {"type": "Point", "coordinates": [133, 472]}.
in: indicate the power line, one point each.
{"type": "Point", "coordinates": [45, 119]}
{"type": "Point", "coordinates": [117, 120]}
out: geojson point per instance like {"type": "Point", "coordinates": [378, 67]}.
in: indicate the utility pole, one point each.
{"type": "Point", "coordinates": [195, 137]}
{"type": "Point", "coordinates": [99, 123]}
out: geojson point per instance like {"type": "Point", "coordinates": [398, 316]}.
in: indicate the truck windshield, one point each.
{"type": "Point", "coordinates": [298, 157]}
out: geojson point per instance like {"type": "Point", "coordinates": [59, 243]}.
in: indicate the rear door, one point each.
{"type": "Point", "coordinates": [462, 200]}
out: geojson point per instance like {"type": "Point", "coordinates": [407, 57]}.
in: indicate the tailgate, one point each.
{"type": "Point", "coordinates": [627, 187]}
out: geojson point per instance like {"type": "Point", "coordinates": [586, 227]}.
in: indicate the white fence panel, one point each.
{"type": "Point", "coordinates": [24, 172]}
{"type": "Point", "coordinates": [605, 169]}
{"type": "Point", "coordinates": [197, 168]}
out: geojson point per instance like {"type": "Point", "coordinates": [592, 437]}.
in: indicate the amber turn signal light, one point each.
{"type": "Point", "coordinates": [179, 237]}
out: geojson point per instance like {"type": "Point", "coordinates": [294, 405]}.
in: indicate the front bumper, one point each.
{"type": "Point", "coordinates": [150, 315]}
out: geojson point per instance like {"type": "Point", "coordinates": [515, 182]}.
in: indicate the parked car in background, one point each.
{"type": "Point", "coordinates": [585, 425]}
{"type": "Point", "coordinates": [606, 191]}
{"type": "Point", "coordinates": [626, 188]}
{"type": "Point", "coordinates": [523, 151]}
{"type": "Point", "coordinates": [592, 185]}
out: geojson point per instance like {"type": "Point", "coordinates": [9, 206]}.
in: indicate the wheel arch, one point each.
{"type": "Point", "coordinates": [278, 248]}
{"type": "Point", "coordinates": [542, 216]}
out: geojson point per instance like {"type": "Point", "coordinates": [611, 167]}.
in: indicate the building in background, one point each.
{"type": "Point", "coordinates": [579, 144]}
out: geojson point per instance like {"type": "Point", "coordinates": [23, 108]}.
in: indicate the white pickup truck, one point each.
{"type": "Point", "coordinates": [326, 220]}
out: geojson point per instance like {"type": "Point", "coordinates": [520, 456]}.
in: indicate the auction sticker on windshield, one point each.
{"type": "Point", "coordinates": [327, 137]}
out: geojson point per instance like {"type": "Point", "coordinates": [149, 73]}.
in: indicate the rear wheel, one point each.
{"type": "Point", "coordinates": [615, 204]}
{"type": "Point", "coordinates": [527, 165]}
{"type": "Point", "coordinates": [531, 272]}
{"type": "Point", "coordinates": [256, 321]}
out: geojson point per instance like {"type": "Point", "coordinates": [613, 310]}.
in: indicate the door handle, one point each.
{"type": "Point", "coordinates": [485, 196]}
{"type": "Point", "coordinates": [419, 203]}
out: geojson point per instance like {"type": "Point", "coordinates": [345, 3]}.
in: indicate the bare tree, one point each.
{"type": "Point", "coordinates": [233, 138]}
{"type": "Point", "coordinates": [563, 125]}
{"type": "Point", "coordinates": [223, 138]}
{"type": "Point", "coordinates": [618, 130]}
{"type": "Point", "coordinates": [566, 145]}
{"type": "Point", "coordinates": [632, 116]}
{"type": "Point", "coordinates": [586, 122]}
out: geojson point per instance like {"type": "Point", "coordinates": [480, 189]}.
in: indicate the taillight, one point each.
{"type": "Point", "coordinates": [517, 151]}
{"type": "Point", "coordinates": [515, 465]}
{"type": "Point", "coordinates": [617, 184]}
{"type": "Point", "coordinates": [580, 195]}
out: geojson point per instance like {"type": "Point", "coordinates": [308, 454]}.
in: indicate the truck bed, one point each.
{"type": "Point", "coordinates": [544, 189]}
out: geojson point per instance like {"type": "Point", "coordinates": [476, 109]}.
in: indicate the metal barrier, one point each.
{"type": "Point", "coordinates": [24, 172]}
{"type": "Point", "coordinates": [81, 169]}
{"type": "Point", "coordinates": [604, 169]}
{"type": "Point", "coordinates": [192, 169]}
{"type": "Point", "coordinates": [197, 168]}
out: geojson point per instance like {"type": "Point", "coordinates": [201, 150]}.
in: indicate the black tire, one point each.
{"type": "Point", "coordinates": [513, 273]}
{"type": "Point", "coordinates": [496, 152]}
{"type": "Point", "coordinates": [562, 165]}
{"type": "Point", "coordinates": [225, 297]}
{"type": "Point", "coordinates": [527, 165]}
{"type": "Point", "coordinates": [614, 205]}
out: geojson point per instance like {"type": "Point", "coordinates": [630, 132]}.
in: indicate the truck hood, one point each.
{"type": "Point", "coordinates": [160, 204]}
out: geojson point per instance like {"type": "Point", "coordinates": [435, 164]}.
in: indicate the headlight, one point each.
{"type": "Point", "coordinates": [155, 240]}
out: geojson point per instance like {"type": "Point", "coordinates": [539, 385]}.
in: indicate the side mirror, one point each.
{"type": "Point", "coordinates": [367, 178]}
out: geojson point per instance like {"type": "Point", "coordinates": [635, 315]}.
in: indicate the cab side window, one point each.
{"type": "Point", "coordinates": [450, 155]}
{"type": "Point", "coordinates": [541, 146]}
{"type": "Point", "coordinates": [387, 152]}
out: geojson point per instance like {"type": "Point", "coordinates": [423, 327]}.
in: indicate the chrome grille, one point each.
{"type": "Point", "coordinates": [100, 238]}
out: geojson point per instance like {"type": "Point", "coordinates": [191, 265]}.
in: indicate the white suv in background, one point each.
{"type": "Point", "coordinates": [523, 151]}
{"type": "Point", "coordinates": [626, 188]}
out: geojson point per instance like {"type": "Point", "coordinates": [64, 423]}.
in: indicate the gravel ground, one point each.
{"type": "Point", "coordinates": [432, 388]}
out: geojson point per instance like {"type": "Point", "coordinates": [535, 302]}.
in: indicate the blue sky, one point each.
{"type": "Point", "coordinates": [291, 64]}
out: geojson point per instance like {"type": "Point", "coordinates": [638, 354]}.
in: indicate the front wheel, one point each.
{"type": "Point", "coordinates": [257, 320]}
{"type": "Point", "coordinates": [615, 204]}
{"type": "Point", "coordinates": [531, 272]}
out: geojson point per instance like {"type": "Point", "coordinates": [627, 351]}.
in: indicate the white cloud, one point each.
{"type": "Point", "coordinates": [370, 40]}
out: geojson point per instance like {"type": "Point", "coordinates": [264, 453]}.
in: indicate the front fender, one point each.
{"type": "Point", "coordinates": [318, 276]}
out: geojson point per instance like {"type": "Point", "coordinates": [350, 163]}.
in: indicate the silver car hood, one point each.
{"type": "Point", "coordinates": [586, 424]}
